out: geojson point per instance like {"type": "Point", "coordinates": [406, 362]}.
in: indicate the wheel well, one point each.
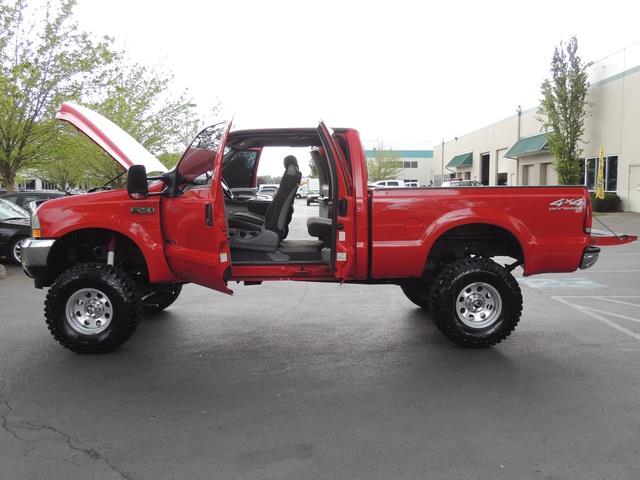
{"type": "Point", "coordinates": [92, 245]}
{"type": "Point", "coordinates": [478, 239]}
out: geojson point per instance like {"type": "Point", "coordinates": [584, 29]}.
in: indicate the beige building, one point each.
{"type": "Point", "coordinates": [514, 152]}
{"type": "Point", "coordinates": [414, 166]}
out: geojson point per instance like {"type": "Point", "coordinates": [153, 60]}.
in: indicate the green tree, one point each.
{"type": "Point", "coordinates": [60, 166]}
{"type": "Point", "coordinates": [562, 110]}
{"type": "Point", "coordinates": [44, 59]}
{"type": "Point", "coordinates": [383, 165]}
{"type": "Point", "coordinates": [138, 99]}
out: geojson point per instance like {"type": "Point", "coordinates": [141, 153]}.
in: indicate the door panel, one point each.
{"type": "Point", "coordinates": [194, 220]}
{"type": "Point", "coordinates": [342, 255]}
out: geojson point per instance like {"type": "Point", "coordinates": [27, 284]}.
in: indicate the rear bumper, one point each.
{"type": "Point", "coordinates": [35, 253]}
{"type": "Point", "coordinates": [589, 257]}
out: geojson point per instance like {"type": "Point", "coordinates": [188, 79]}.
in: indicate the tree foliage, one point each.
{"type": "Point", "coordinates": [562, 110]}
{"type": "Point", "coordinates": [44, 59]}
{"type": "Point", "coordinates": [138, 100]}
{"type": "Point", "coordinates": [383, 165]}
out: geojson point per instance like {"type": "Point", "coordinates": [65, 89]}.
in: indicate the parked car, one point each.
{"type": "Point", "coordinates": [15, 227]}
{"type": "Point", "coordinates": [451, 251]}
{"type": "Point", "coordinates": [389, 184]}
{"type": "Point", "coordinates": [24, 198]}
{"type": "Point", "coordinates": [313, 197]}
{"type": "Point", "coordinates": [302, 192]}
{"type": "Point", "coordinates": [461, 183]}
{"type": "Point", "coordinates": [269, 189]}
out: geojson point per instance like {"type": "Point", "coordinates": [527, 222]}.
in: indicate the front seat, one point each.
{"type": "Point", "coordinates": [250, 231]}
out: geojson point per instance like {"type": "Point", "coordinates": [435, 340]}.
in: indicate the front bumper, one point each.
{"type": "Point", "coordinates": [35, 253]}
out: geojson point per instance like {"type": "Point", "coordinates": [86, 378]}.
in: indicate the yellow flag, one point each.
{"type": "Point", "coordinates": [600, 180]}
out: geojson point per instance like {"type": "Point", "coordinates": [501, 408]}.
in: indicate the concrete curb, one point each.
{"type": "Point", "coordinates": [3, 272]}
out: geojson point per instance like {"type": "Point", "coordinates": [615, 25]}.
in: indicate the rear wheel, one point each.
{"type": "Point", "coordinates": [476, 302]}
{"type": "Point", "coordinates": [93, 308]}
{"type": "Point", "coordinates": [160, 297]}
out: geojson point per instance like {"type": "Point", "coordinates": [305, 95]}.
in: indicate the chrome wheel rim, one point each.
{"type": "Point", "coordinates": [89, 311]}
{"type": "Point", "coordinates": [478, 305]}
{"type": "Point", "coordinates": [17, 251]}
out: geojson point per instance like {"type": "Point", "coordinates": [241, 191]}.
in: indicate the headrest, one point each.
{"type": "Point", "coordinates": [290, 160]}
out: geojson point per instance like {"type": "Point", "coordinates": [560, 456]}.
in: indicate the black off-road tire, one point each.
{"type": "Point", "coordinates": [120, 290]}
{"type": "Point", "coordinates": [159, 298]}
{"type": "Point", "coordinates": [418, 293]}
{"type": "Point", "coordinates": [451, 282]}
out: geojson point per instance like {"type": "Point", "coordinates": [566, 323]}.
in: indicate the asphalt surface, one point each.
{"type": "Point", "coordinates": [294, 380]}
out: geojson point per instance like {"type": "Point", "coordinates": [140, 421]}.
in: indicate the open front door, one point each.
{"type": "Point", "coordinates": [194, 220]}
{"type": "Point", "coordinates": [342, 255]}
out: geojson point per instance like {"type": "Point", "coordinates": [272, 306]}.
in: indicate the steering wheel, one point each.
{"type": "Point", "coordinates": [226, 190]}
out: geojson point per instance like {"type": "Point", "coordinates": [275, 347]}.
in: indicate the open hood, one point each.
{"type": "Point", "coordinates": [117, 143]}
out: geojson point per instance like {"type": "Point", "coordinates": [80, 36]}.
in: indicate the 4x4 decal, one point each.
{"type": "Point", "coordinates": [567, 204]}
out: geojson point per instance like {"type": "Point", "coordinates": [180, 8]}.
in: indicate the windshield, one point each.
{"type": "Point", "coordinates": [11, 210]}
{"type": "Point", "coordinates": [196, 165]}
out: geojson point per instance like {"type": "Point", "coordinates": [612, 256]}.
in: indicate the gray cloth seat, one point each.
{"type": "Point", "coordinates": [250, 231]}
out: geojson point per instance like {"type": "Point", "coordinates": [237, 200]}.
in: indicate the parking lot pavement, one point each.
{"type": "Point", "coordinates": [301, 380]}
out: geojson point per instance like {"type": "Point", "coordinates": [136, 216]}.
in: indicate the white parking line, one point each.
{"type": "Point", "coordinates": [619, 301]}
{"type": "Point", "coordinates": [613, 271]}
{"type": "Point", "coordinates": [617, 315]}
{"type": "Point", "coordinates": [595, 316]}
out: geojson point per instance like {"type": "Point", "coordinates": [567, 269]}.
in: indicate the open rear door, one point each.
{"type": "Point", "coordinates": [342, 255]}
{"type": "Point", "coordinates": [194, 222]}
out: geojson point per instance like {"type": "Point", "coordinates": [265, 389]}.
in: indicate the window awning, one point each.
{"type": "Point", "coordinates": [462, 160]}
{"type": "Point", "coordinates": [529, 146]}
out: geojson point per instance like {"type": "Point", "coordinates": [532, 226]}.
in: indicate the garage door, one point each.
{"type": "Point", "coordinates": [634, 188]}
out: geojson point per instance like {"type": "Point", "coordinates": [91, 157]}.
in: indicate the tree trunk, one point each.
{"type": "Point", "coordinates": [8, 183]}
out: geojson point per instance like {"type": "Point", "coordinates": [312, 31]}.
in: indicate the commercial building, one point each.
{"type": "Point", "coordinates": [417, 166]}
{"type": "Point", "coordinates": [513, 151]}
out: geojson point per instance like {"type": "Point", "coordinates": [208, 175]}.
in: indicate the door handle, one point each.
{"type": "Point", "coordinates": [208, 214]}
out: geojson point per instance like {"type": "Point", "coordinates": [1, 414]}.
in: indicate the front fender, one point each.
{"type": "Point", "coordinates": [111, 211]}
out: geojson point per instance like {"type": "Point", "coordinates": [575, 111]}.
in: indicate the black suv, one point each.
{"type": "Point", "coordinates": [24, 198]}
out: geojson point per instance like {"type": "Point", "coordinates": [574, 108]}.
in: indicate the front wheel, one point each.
{"type": "Point", "coordinates": [476, 302]}
{"type": "Point", "coordinates": [93, 308]}
{"type": "Point", "coordinates": [160, 297]}
{"type": "Point", "coordinates": [16, 250]}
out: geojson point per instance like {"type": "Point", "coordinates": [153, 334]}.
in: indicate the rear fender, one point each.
{"type": "Point", "coordinates": [469, 216]}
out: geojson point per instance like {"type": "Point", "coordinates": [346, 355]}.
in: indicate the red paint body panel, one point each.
{"type": "Point", "coordinates": [407, 222]}
{"type": "Point", "coordinates": [605, 239]}
{"type": "Point", "coordinates": [111, 211]}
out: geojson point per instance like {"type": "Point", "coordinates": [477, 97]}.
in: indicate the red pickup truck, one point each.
{"type": "Point", "coordinates": [112, 254]}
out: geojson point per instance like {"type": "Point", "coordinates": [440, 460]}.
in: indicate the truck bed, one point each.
{"type": "Point", "coordinates": [548, 222]}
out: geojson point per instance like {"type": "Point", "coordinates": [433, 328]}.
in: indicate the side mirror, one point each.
{"type": "Point", "coordinates": [137, 185]}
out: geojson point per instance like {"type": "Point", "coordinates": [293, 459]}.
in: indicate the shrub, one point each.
{"type": "Point", "coordinates": [610, 203]}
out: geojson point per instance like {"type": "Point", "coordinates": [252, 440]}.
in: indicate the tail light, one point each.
{"type": "Point", "coordinates": [588, 215]}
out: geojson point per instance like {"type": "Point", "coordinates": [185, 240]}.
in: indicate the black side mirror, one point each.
{"type": "Point", "coordinates": [137, 185]}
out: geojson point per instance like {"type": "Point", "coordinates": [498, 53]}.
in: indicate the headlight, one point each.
{"type": "Point", "coordinates": [35, 225]}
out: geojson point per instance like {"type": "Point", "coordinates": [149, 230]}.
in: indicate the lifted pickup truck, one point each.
{"type": "Point", "coordinates": [110, 255]}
